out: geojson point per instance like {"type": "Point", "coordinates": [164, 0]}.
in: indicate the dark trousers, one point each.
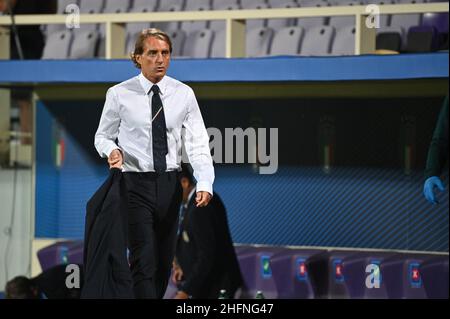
{"type": "Point", "coordinates": [154, 201]}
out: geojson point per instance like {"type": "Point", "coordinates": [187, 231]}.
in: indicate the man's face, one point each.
{"type": "Point", "coordinates": [155, 59]}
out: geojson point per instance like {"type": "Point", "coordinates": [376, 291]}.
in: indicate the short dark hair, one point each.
{"type": "Point", "coordinates": [147, 33]}
{"type": "Point", "coordinates": [186, 172]}
{"type": "Point", "coordinates": [20, 287]}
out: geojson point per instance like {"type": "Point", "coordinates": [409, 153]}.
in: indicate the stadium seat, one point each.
{"type": "Point", "coordinates": [91, 7]}
{"type": "Point", "coordinates": [133, 28]}
{"type": "Point", "coordinates": [219, 25]}
{"type": "Point", "coordinates": [406, 21]}
{"type": "Point", "coordinates": [389, 38]}
{"type": "Point", "coordinates": [402, 276]}
{"type": "Point", "coordinates": [218, 45]}
{"type": "Point", "coordinates": [344, 41]}
{"type": "Point", "coordinates": [422, 39]}
{"type": "Point", "coordinates": [258, 42]}
{"type": "Point", "coordinates": [434, 272]}
{"type": "Point", "coordinates": [57, 45]}
{"type": "Point", "coordinates": [318, 41]}
{"type": "Point", "coordinates": [437, 20]}
{"type": "Point", "coordinates": [287, 41]}
{"type": "Point", "coordinates": [291, 273]}
{"type": "Point", "coordinates": [172, 25]}
{"type": "Point", "coordinates": [340, 274]}
{"type": "Point", "coordinates": [191, 26]}
{"type": "Point", "coordinates": [167, 5]}
{"type": "Point", "coordinates": [278, 24]}
{"type": "Point", "coordinates": [198, 44]}
{"type": "Point", "coordinates": [440, 22]}
{"type": "Point", "coordinates": [58, 254]}
{"type": "Point", "coordinates": [255, 265]}
{"type": "Point", "coordinates": [308, 23]}
{"type": "Point", "coordinates": [193, 5]}
{"type": "Point", "coordinates": [146, 3]}
{"type": "Point", "coordinates": [356, 274]}
{"type": "Point", "coordinates": [326, 273]}
{"type": "Point", "coordinates": [343, 21]}
{"type": "Point", "coordinates": [220, 4]}
{"type": "Point", "coordinates": [178, 38]}
{"type": "Point", "coordinates": [113, 6]}
{"type": "Point", "coordinates": [252, 5]}
{"type": "Point", "coordinates": [61, 9]}
{"type": "Point", "coordinates": [116, 6]}
{"type": "Point", "coordinates": [84, 44]}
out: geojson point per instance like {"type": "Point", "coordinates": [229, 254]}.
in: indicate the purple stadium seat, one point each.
{"type": "Point", "coordinates": [437, 20]}
{"type": "Point", "coordinates": [239, 249]}
{"type": "Point", "coordinates": [434, 272]}
{"type": "Point", "coordinates": [422, 39]}
{"type": "Point", "coordinates": [255, 264]}
{"type": "Point", "coordinates": [351, 274]}
{"type": "Point", "coordinates": [65, 252]}
{"type": "Point", "coordinates": [402, 276]}
{"type": "Point", "coordinates": [356, 270]}
{"type": "Point", "coordinates": [75, 253]}
{"type": "Point", "coordinates": [291, 273]}
{"type": "Point", "coordinates": [326, 272]}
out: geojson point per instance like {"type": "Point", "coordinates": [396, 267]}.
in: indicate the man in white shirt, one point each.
{"type": "Point", "coordinates": [140, 131]}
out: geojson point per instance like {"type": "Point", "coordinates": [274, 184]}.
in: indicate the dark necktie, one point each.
{"type": "Point", "coordinates": [181, 214]}
{"type": "Point", "coordinates": [159, 133]}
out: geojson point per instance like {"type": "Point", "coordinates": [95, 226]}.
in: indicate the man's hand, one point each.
{"type": "Point", "coordinates": [177, 274]}
{"type": "Point", "coordinates": [115, 159]}
{"type": "Point", "coordinates": [428, 188]}
{"type": "Point", "coordinates": [202, 199]}
{"type": "Point", "coordinates": [181, 295]}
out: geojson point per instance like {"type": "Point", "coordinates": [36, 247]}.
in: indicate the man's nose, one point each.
{"type": "Point", "coordinates": [159, 58]}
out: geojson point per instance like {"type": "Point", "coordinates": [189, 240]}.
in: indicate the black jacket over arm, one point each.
{"type": "Point", "coordinates": [206, 253]}
{"type": "Point", "coordinates": [438, 151]}
{"type": "Point", "coordinates": [107, 273]}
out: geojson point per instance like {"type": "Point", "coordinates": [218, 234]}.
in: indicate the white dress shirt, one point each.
{"type": "Point", "coordinates": [126, 117]}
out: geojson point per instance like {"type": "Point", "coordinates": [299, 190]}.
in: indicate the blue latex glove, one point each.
{"type": "Point", "coordinates": [428, 188]}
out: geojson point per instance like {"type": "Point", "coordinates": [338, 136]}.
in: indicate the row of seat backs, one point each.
{"type": "Point", "coordinates": [313, 273]}
{"type": "Point", "coordinates": [114, 6]}
{"type": "Point", "coordinates": [282, 272]}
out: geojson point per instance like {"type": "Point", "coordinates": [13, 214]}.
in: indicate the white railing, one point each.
{"type": "Point", "coordinates": [365, 35]}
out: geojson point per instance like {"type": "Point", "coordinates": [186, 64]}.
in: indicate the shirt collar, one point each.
{"type": "Point", "coordinates": [147, 85]}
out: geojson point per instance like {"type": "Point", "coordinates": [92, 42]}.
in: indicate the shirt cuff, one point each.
{"type": "Point", "coordinates": [205, 187]}
{"type": "Point", "coordinates": [112, 148]}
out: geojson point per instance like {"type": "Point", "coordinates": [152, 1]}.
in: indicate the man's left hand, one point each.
{"type": "Point", "coordinates": [203, 199]}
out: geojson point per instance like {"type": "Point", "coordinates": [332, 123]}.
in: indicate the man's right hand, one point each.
{"type": "Point", "coordinates": [177, 274]}
{"type": "Point", "coordinates": [115, 159]}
